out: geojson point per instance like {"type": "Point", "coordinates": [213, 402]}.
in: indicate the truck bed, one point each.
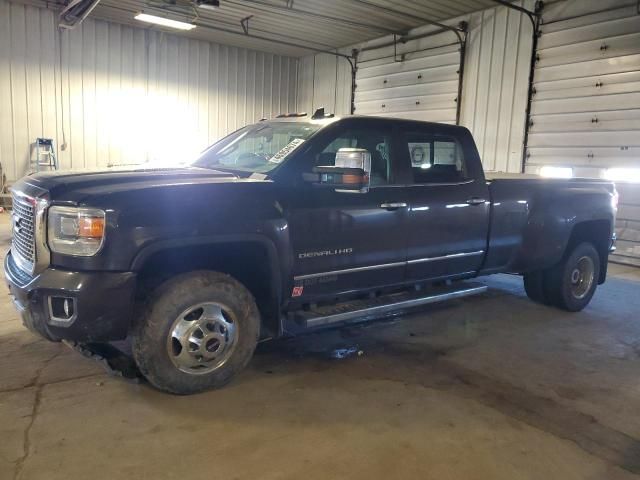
{"type": "Point", "coordinates": [532, 217]}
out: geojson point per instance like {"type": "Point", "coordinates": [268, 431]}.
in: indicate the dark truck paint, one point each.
{"type": "Point", "coordinates": [294, 244]}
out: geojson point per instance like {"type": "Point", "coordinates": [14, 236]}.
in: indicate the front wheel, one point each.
{"type": "Point", "coordinates": [571, 284]}
{"type": "Point", "coordinates": [197, 331]}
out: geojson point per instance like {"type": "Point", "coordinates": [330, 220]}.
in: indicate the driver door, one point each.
{"type": "Point", "coordinates": [346, 241]}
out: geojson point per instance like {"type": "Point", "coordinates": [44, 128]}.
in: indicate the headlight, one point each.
{"type": "Point", "coordinates": [75, 231]}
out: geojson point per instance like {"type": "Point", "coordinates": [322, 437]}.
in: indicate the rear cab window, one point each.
{"type": "Point", "coordinates": [435, 158]}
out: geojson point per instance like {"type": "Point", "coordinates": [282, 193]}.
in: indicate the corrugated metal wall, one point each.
{"type": "Point", "coordinates": [494, 89]}
{"type": "Point", "coordinates": [125, 95]}
{"type": "Point", "coordinates": [324, 81]}
{"type": "Point", "coordinates": [628, 223]}
{"type": "Point", "coordinates": [494, 97]}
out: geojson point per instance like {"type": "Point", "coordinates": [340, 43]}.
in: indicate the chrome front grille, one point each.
{"type": "Point", "coordinates": [23, 243]}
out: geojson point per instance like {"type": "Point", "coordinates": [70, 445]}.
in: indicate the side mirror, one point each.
{"type": "Point", "coordinates": [350, 173]}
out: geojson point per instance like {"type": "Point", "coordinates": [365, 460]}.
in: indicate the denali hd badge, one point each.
{"type": "Point", "coordinates": [326, 253]}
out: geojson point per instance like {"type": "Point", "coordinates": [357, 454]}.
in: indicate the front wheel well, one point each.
{"type": "Point", "coordinates": [249, 263]}
{"type": "Point", "coordinates": [596, 232]}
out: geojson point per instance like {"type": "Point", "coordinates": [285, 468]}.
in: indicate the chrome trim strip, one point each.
{"type": "Point", "coordinates": [446, 257]}
{"type": "Point", "coordinates": [386, 265]}
{"type": "Point", "coordinates": [391, 307]}
{"type": "Point", "coordinates": [24, 265]}
{"type": "Point", "coordinates": [43, 254]}
{"type": "Point", "coordinates": [349, 270]}
{"type": "Point", "coordinates": [432, 184]}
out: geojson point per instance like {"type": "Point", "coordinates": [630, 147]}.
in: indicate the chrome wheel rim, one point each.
{"type": "Point", "coordinates": [202, 338]}
{"type": "Point", "coordinates": [582, 277]}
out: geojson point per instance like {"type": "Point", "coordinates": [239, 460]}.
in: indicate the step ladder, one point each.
{"type": "Point", "coordinates": [45, 155]}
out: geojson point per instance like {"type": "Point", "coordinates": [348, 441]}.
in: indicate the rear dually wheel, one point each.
{"type": "Point", "coordinates": [571, 283]}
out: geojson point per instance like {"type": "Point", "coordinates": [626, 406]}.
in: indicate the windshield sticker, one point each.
{"type": "Point", "coordinates": [290, 147]}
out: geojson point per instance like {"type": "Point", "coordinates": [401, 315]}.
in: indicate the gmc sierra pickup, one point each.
{"type": "Point", "coordinates": [289, 225]}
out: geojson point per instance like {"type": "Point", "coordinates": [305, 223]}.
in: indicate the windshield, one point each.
{"type": "Point", "coordinates": [257, 148]}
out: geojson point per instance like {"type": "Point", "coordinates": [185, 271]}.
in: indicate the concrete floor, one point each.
{"type": "Point", "coordinates": [494, 387]}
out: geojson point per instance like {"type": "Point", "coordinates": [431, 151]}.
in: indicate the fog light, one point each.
{"type": "Point", "coordinates": [62, 310]}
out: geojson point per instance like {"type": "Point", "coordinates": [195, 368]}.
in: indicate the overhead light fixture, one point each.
{"type": "Point", "coordinates": [165, 22]}
{"type": "Point", "coordinates": [207, 4]}
{"type": "Point", "coordinates": [556, 172]}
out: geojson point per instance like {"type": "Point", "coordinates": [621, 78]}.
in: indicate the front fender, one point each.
{"type": "Point", "coordinates": [277, 263]}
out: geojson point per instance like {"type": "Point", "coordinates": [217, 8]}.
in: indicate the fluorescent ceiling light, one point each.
{"type": "Point", "coordinates": [623, 174]}
{"type": "Point", "coordinates": [207, 4]}
{"type": "Point", "coordinates": [165, 22]}
{"type": "Point", "coordinates": [556, 172]}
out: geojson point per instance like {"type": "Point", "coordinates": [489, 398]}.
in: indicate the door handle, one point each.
{"type": "Point", "coordinates": [393, 205]}
{"type": "Point", "coordinates": [476, 201]}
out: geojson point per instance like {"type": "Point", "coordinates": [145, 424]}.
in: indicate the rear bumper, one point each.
{"type": "Point", "coordinates": [103, 302]}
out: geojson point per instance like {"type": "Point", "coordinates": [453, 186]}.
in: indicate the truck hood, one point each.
{"type": "Point", "coordinates": [74, 186]}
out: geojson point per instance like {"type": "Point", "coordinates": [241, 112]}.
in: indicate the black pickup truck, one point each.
{"type": "Point", "coordinates": [289, 225]}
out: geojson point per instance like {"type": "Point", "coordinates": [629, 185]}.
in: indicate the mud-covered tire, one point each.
{"type": "Point", "coordinates": [154, 332]}
{"type": "Point", "coordinates": [570, 284]}
{"type": "Point", "coordinates": [535, 288]}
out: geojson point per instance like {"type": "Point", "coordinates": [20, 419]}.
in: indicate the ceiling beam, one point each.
{"type": "Point", "coordinates": [235, 29]}
{"type": "Point", "coordinates": [268, 7]}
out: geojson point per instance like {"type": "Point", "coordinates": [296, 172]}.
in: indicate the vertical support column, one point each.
{"type": "Point", "coordinates": [354, 70]}
{"type": "Point", "coordinates": [464, 28]}
{"type": "Point", "coordinates": [536, 20]}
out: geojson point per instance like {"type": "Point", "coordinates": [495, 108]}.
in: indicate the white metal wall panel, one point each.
{"type": "Point", "coordinates": [494, 97]}
{"type": "Point", "coordinates": [628, 224]}
{"type": "Point", "coordinates": [125, 95]}
{"type": "Point", "coordinates": [306, 76]}
{"type": "Point", "coordinates": [324, 81]}
{"type": "Point", "coordinates": [586, 108]}
{"type": "Point", "coordinates": [417, 80]}
{"type": "Point", "coordinates": [325, 92]}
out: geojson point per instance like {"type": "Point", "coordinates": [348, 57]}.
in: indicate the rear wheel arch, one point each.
{"type": "Point", "coordinates": [253, 261]}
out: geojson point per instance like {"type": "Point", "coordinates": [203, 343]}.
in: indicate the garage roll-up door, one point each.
{"type": "Point", "coordinates": [416, 80]}
{"type": "Point", "coordinates": [585, 111]}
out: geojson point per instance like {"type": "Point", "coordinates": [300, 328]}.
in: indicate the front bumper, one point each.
{"type": "Point", "coordinates": [103, 302]}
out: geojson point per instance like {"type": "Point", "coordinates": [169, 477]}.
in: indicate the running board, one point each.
{"type": "Point", "coordinates": [381, 306]}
